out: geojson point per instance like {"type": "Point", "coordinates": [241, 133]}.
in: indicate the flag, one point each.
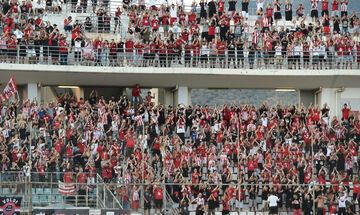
{"type": "Point", "coordinates": [9, 90]}
{"type": "Point", "coordinates": [10, 205]}
{"type": "Point", "coordinates": [66, 188]}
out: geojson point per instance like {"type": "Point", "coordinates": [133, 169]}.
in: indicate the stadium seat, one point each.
{"type": "Point", "coordinates": [59, 199]}
{"type": "Point", "coordinates": [39, 191]}
{"type": "Point", "coordinates": [55, 191]}
{"type": "Point", "coordinates": [43, 199]}
{"type": "Point", "coordinates": [5, 191]}
{"type": "Point", "coordinates": [47, 191]}
{"type": "Point", "coordinates": [35, 199]}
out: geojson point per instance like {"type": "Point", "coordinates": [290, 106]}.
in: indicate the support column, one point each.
{"type": "Point", "coordinates": [156, 93]}
{"type": "Point", "coordinates": [330, 96]}
{"type": "Point", "coordinates": [33, 92]}
{"type": "Point", "coordinates": [182, 96]}
{"type": "Point", "coordinates": [165, 96]}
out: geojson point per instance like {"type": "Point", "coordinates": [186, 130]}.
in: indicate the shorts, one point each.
{"type": "Point", "coordinates": [315, 59]}
{"type": "Point", "coordinates": [265, 205]}
{"type": "Point", "coordinates": [245, 14]}
{"type": "Point", "coordinates": [204, 58]}
{"type": "Point", "coordinates": [277, 15]}
{"type": "Point", "coordinates": [279, 59]}
{"type": "Point", "coordinates": [12, 52]}
{"type": "Point", "coordinates": [273, 210]}
{"type": "Point", "coordinates": [306, 58]}
{"type": "Point", "coordinates": [158, 203]}
{"type": "Point", "coordinates": [221, 56]}
{"type": "Point", "coordinates": [251, 60]}
{"type": "Point", "coordinates": [147, 205]}
{"type": "Point", "coordinates": [349, 58]}
{"type": "Point", "coordinates": [129, 55]}
{"type": "Point", "coordinates": [252, 202]}
{"type": "Point", "coordinates": [314, 14]}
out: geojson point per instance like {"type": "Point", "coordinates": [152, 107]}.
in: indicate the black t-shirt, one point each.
{"type": "Point", "coordinates": [245, 6]}
{"type": "Point", "coordinates": [325, 112]}
{"type": "Point", "coordinates": [232, 5]}
{"type": "Point", "coordinates": [264, 195]}
{"type": "Point", "coordinates": [212, 7]}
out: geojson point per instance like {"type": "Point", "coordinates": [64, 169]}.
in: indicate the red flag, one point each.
{"type": "Point", "coordinates": [9, 90]}
{"type": "Point", "coordinates": [66, 188]}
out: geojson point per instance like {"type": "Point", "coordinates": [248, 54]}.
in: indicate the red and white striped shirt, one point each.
{"type": "Point", "coordinates": [139, 120]}
{"type": "Point", "coordinates": [344, 6]}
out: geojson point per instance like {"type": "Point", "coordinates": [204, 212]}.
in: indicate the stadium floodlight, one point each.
{"type": "Point", "coordinates": [72, 87]}
{"type": "Point", "coordinates": [285, 90]}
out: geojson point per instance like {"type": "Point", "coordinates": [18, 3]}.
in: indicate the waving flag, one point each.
{"type": "Point", "coordinates": [66, 188]}
{"type": "Point", "coordinates": [9, 90]}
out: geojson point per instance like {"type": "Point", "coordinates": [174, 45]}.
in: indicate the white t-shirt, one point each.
{"type": "Point", "coordinates": [173, 12]}
{"type": "Point", "coordinates": [273, 201]}
{"type": "Point", "coordinates": [342, 202]}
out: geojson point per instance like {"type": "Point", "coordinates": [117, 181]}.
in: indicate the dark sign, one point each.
{"type": "Point", "coordinates": [10, 205]}
{"type": "Point", "coordinates": [60, 212]}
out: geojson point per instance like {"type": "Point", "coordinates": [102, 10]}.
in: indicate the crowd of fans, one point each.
{"type": "Point", "coordinates": [208, 34]}
{"type": "Point", "coordinates": [218, 158]}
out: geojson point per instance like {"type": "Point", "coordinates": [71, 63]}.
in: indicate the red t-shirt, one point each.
{"type": "Point", "coordinates": [345, 113]}
{"type": "Point", "coordinates": [129, 46]}
{"type": "Point", "coordinates": [158, 193]}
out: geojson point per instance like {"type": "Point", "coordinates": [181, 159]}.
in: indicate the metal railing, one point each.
{"type": "Point", "coordinates": [104, 57]}
{"type": "Point", "coordinates": [42, 189]}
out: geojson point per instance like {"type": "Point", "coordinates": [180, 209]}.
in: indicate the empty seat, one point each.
{"type": "Point", "coordinates": [55, 191]}
{"type": "Point", "coordinates": [47, 191]}
{"type": "Point", "coordinates": [59, 198]}
{"type": "Point", "coordinates": [39, 191]}
{"type": "Point", "coordinates": [5, 191]}
{"type": "Point", "coordinates": [35, 199]}
{"type": "Point", "coordinates": [43, 199]}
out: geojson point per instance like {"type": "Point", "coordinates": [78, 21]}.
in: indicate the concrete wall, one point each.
{"type": "Point", "coordinates": [107, 92]}
{"type": "Point", "coordinates": [306, 97]}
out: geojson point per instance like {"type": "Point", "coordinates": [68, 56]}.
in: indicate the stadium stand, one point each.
{"type": "Point", "coordinates": [184, 159]}
{"type": "Point", "coordinates": [208, 34]}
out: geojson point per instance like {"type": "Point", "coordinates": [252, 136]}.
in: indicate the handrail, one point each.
{"type": "Point", "coordinates": [183, 57]}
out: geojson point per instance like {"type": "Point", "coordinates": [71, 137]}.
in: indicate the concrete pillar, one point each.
{"type": "Point", "coordinates": [182, 96]}
{"type": "Point", "coordinates": [33, 91]}
{"type": "Point", "coordinates": [155, 92]}
{"type": "Point", "coordinates": [330, 96]}
{"type": "Point", "coordinates": [165, 96]}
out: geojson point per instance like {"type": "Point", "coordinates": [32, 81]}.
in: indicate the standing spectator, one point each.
{"type": "Point", "coordinates": [63, 51]}
{"type": "Point", "coordinates": [245, 8]}
{"type": "Point", "coordinates": [325, 7]}
{"type": "Point", "coordinates": [314, 9]}
{"type": "Point", "coordinates": [346, 111]}
{"type": "Point", "coordinates": [288, 10]}
{"type": "Point", "coordinates": [129, 46]}
{"type": "Point", "coordinates": [136, 93]}
{"type": "Point", "coordinates": [273, 204]}
{"type": "Point", "coordinates": [335, 8]}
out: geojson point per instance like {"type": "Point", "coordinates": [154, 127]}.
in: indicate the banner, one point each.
{"type": "Point", "coordinates": [38, 211]}
{"type": "Point", "coordinates": [66, 188]}
{"type": "Point", "coordinates": [10, 205]}
{"type": "Point", "coordinates": [9, 90]}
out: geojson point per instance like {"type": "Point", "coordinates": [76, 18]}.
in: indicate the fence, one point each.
{"type": "Point", "coordinates": [203, 58]}
{"type": "Point", "coordinates": [41, 189]}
